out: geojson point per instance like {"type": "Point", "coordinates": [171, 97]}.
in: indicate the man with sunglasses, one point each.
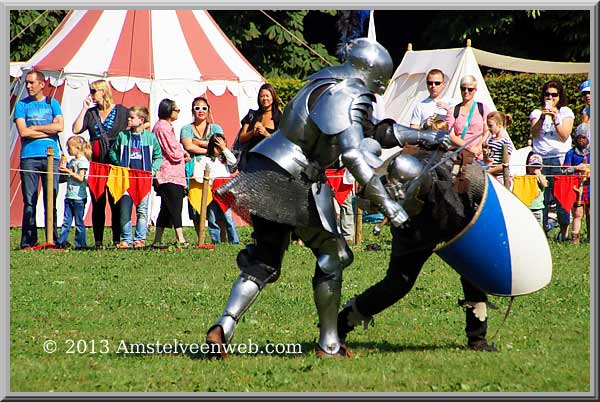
{"type": "Point", "coordinates": [435, 106]}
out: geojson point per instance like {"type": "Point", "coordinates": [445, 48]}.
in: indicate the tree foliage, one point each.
{"type": "Point", "coordinates": [554, 35]}
{"type": "Point", "coordinates": [276, 49]}
{"type": "Point", "coordinates": [29, 29]}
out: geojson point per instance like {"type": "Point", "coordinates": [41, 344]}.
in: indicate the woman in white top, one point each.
{"type": "Point", "coordinates": [551, 128]}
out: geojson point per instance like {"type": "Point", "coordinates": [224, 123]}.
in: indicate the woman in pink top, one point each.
{"type": "Point", "coordinates": [477, 124]}
{"type": "Point", "coordinates": [171, 174]}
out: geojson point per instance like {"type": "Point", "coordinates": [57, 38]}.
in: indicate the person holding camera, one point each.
{"type": "Point", "coordinates": [551, 127]}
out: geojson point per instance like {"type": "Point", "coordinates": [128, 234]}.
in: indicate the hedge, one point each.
{"type": "Point", "coordinates": [515, 94]}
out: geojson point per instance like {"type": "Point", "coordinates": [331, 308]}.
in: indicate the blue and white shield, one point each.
{"type": "Point", "coordinates": [503, 250]}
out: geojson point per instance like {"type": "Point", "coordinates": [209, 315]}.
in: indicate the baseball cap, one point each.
{"type": "Point", "coordinates": [534, 160]}
{"type": "Point", "coordinates": [582, 130]}
{"type": "Point", "coordinates": [585, 86]}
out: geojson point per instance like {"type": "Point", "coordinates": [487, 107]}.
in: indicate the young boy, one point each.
{"type": "Point", "coordinates": [135, 148]}
{"type": "Point", "coordinates": [578, 158]}
{"type": "Point", "coordinates": [534, 167]}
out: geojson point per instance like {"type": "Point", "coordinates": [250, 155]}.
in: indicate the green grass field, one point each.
{"type": "Point", "coordinates": [103, 299]}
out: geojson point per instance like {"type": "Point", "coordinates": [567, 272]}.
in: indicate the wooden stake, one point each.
{"type": "Point", "coordinates": [50, 196]}
{"type": "Point", "coordinates": [205, 190]}
{"type": "Point", "coordinates": [505, 169]}
{"type": "Point", "coordinates": [357, 222]}
{"type": "Point", "coordinates": [358, 227]}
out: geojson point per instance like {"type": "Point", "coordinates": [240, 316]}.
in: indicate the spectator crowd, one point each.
{"type": "Point", "coordinates": [556, 181]}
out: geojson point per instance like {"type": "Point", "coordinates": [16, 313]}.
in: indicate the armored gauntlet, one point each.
{"type": "Point", "coordinates": [426, 139]}
{"type": "Point", "coordinates": [375, 192]}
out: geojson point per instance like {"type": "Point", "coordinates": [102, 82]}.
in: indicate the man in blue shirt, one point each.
{"type": "Point", "coordinates": [39, 120]}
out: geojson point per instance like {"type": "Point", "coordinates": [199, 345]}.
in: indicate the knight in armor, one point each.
{"type": "Point", "coordinates": [282, 187]}
{"type": "Point", "coordinates": [441, 197]}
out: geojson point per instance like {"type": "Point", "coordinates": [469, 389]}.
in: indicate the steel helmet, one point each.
{"type": "Point", "coordinates": [372, 61]}
{"type": "Point", "coordinates": [365, 59]}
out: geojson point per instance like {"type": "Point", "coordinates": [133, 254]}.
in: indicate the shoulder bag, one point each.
{"type": "Point", "coordinates": [103, 141]}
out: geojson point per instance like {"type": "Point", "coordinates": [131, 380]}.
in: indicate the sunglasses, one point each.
{"type": "Point", "coordinates": [434, 83]}
{"type": "Point", "coordinates": [199, 108]}
{"type": "Point", "coordinates": [552, 94]}
{"type": "Point", "coordinates": [176, 110]}
{"type": "Point", "coordinates": [93, 91]}
{"type": "Point", "coordinates": [463, 89]}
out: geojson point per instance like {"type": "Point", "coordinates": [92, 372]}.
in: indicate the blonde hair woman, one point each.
{"type": "Point", "coordinates": [103, 120]}
{"type": "Point", "coordinates": [467, 121]}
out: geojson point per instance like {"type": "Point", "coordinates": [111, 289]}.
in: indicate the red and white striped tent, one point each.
{"type": "Point", "coordinates": [146, 55]}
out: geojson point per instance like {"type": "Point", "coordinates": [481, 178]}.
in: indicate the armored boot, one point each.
{"type": "Point", "coordinates": [476, 327]}
{"type": "Point", "coordinates": [243, 294]}
{"type": "Point", "coordinates": [327, 298]}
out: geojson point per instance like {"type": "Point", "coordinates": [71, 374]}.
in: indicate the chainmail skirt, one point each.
{"type": "Point", "coordinates": [264, 189]}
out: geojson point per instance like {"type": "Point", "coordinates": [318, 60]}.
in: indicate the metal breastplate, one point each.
{"type": "Point", "coordinates": [307, 134]}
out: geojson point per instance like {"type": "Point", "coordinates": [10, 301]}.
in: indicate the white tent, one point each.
{"type": "Point", "coordinates": [407, 86]}
{"type": "Point", "coordinates": [146, 55]}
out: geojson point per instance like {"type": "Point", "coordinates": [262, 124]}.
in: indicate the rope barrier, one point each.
{"type": "Point", "coordinates": [333, 176]}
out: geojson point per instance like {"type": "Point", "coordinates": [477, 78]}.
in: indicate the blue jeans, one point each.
{"type": "Point", "coordinates": [32, 170]}
{"type": "Point", "coordinates": [73, 209]}
{"type": "Point", "coordinates": [563, 217]}
{"type": "Point", "coordinates": [213, 214]}
{"type": "Point", "coordinates": [141, 211]}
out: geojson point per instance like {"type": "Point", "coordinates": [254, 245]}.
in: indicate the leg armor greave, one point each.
{"type": "Point", "coordinates": [333, 256]}
{"type": "Point", "coordinates": [327, 300]}
{"type": "Point", "coordinates": [243, 293]}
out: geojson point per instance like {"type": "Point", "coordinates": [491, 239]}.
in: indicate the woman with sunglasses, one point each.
{"type": "Point", "coordinates": [261, 123]}
{"type": "Point", "coordinates": [194, 138]}
{"type": "Point", "coordinates": [170, 177]}
{"type": "Point", "coordinates": [467, 121]}
{"type": "Point", "coordinates": [103, 120]}
{"type": "Point", "coordinates": [551, 127]}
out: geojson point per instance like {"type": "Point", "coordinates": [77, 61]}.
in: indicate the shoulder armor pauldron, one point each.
{"type": "Point", "coordinates": [341, 105]}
